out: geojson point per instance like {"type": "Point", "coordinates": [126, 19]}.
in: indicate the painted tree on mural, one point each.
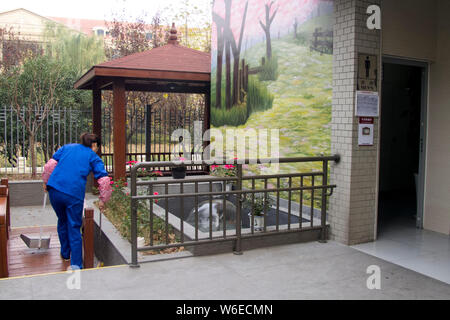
{"type": "Point", "coordinates": [283, 78]}
{"type": "Point", "coordinates": [236, 49]}
{"type": "Point", "coordinates": [226, 38]}
{"type": "Point", "coordinates": [266, 27]}
{"type": "Point", "coordinates": [220, 48]}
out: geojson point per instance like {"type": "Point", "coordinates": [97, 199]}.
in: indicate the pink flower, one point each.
{"type": "Point", "coordinates": [156, 194]}
{"type": "Point", "coordinates": [128, 193]}
{"type": "Point", "coordinates": [214, 167]}
{"type": "Point", "coordinates": [126, 184]}
{"type": "Point", "coordinates": [229, 166]}
{"type": "Point", "coordinates": [111, 182]}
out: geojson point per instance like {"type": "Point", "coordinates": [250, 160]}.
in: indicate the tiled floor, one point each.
{"type": "Point", "coordinates": [292, 272]}
{"type": "Point", "coordinates": [401, 243]}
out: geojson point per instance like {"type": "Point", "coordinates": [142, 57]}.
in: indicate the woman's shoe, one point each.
{"type": "Point", "coordinates": [65, 259]}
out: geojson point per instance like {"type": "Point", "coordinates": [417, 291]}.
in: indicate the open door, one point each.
{"type": "Point", "coordinates": [402, 144]}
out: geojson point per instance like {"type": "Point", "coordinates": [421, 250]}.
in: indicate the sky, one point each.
{"type": "Point", "coordinates": [95, 9]}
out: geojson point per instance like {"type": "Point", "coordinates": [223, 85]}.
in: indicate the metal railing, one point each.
{"type": "Point", "coordinates": [149, 132]}
{"type": "Point", "coordinates": [311, 187]}
{"type": "Point", "coordinates": [61, 126]}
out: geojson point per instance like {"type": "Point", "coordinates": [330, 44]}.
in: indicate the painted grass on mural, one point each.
{"type": "Point", "coordinates": [257, 99]}
{"type": "Point", "coordinates": [301, 107]}
{"type": "Point", "coordinates": [302, 100]}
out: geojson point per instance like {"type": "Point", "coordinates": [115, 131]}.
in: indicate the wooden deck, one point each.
{"type": "Point", "coordinates": [24, 261]}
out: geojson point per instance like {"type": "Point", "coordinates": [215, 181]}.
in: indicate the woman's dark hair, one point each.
{"type": "Point", "coordinates": [87, 139]}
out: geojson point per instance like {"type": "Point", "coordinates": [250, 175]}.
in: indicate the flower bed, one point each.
{"type": "Point", "coordinates": [118, 211]}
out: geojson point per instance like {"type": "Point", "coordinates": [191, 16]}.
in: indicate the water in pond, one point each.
{"type": "Point", "coordinates": [218, 213]}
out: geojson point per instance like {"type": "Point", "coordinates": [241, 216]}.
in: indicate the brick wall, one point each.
{"type": "Point", "coordinates": [353, 206]}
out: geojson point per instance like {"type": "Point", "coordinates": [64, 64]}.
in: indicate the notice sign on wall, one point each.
{"type": "Point", "coordinates": [367, 72]}
{"type": "Point", "coordinates": [365, 135]}
{"type": "Point", "coordinates": [367, 104]}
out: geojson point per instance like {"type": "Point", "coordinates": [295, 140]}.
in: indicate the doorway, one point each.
{"type": "Point", "coordinates": [402, 145]}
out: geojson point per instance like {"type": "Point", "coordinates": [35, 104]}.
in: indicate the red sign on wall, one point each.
{"type": "Point", "coordinates": [365, 135]}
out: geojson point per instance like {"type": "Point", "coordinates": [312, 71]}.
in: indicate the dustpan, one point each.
{"type": "Point", "coordinates": [34, 242]}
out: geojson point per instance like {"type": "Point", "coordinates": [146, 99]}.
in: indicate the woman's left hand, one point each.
{"type": "Point", "coordinates": [101, 206]}
{"type": "Point", "coordinates": [44, 187]}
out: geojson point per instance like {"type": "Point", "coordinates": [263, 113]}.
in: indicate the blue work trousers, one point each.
{"type": "Point", "coordinates": [70, 218]}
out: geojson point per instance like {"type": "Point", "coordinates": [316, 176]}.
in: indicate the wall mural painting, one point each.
{"type": "Point", "coordinates": [272, 69]}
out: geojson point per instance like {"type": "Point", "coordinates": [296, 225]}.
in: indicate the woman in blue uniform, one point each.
{"type": "Point", "coordinates": [65, 181]}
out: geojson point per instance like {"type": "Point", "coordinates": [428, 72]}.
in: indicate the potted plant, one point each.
{"type": "Point", "coordinates": [257, 208]}
{"type": "Point", "coordinates": [228, 170]}
{"type": "Point", "coordinates": [149, 175]}
{"type": "Point", "coordinates": [179, 170]}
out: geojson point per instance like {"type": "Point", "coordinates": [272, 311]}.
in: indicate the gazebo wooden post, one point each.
{"type": "Point", "coordinates": [97, 114]}
{"type": "Point", "coordinates": [97, 119]}
{"type": "Point", "coordinates": [207, 125]}
{"type": "Point", "coordinates": [119, 133]}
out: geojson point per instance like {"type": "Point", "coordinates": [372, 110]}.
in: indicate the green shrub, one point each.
{"type": "Point", "coordinates": [235, 116]}
{"type": "Point", "coordinates": [118, 211]}
{"type": "Point", "coordinates": [269, 70]}
{"type": "Point", "coordinates": [303, 38]}
{"type": "Point", "coordinates": [258, 97]}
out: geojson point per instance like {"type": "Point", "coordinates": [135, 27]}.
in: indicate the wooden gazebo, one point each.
{"type": "Point", "coordinates": [170, 69]}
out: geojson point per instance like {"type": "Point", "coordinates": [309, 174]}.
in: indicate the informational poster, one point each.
{"type": "Point", "coordinates": [368, 72]}
{"type": "Point", "coordinates": [367, 104]}
{"type": "Point", "coordinates": [366, 128]}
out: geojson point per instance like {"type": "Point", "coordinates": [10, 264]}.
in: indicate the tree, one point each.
{"type": "Point", "coordinates": [220, 48]}
{"type": "Point", "coordinates": [235, 45]}
{"type": "Point", "coordinates": [14, 50]}
{"type": "Point", "coordinates": [78, 51]}
{"type": "Point", "coordinates": [266, 28]}
{"type": "Point", "coordinates": [236, 49]}
{"type": "Point", "coordinates": [228, 101]}
{"type": "Point", "coordinates": [35, 89]}
{"type": "Point", "coordinates": [295, 28]}
{"type": "Point", "coordinates": [127, 37]}
{"type": "Point", "coordinates": [194, 24]}
{"type": "Point", "coordinates": [158, 32]}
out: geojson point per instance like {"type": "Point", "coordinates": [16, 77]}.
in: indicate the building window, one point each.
{"type": "Point", "coordinates": [149, 36]}
{"type": "Point", "coordinates": [100, 32]}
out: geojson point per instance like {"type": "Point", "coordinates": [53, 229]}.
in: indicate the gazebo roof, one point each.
{"type": "Point", "coordinates": [162, 69]}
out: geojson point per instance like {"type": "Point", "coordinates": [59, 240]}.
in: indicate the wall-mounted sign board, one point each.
{"type": "Point", "coordinates": [367, 72]}
{"type": "Point", "coordinates": [367, 104]}
{"type": "Point", "coordinates": [366, 128]}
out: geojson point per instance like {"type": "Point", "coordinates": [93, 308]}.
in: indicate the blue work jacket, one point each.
{"type": "Point", "coordinates": [75, 163]}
